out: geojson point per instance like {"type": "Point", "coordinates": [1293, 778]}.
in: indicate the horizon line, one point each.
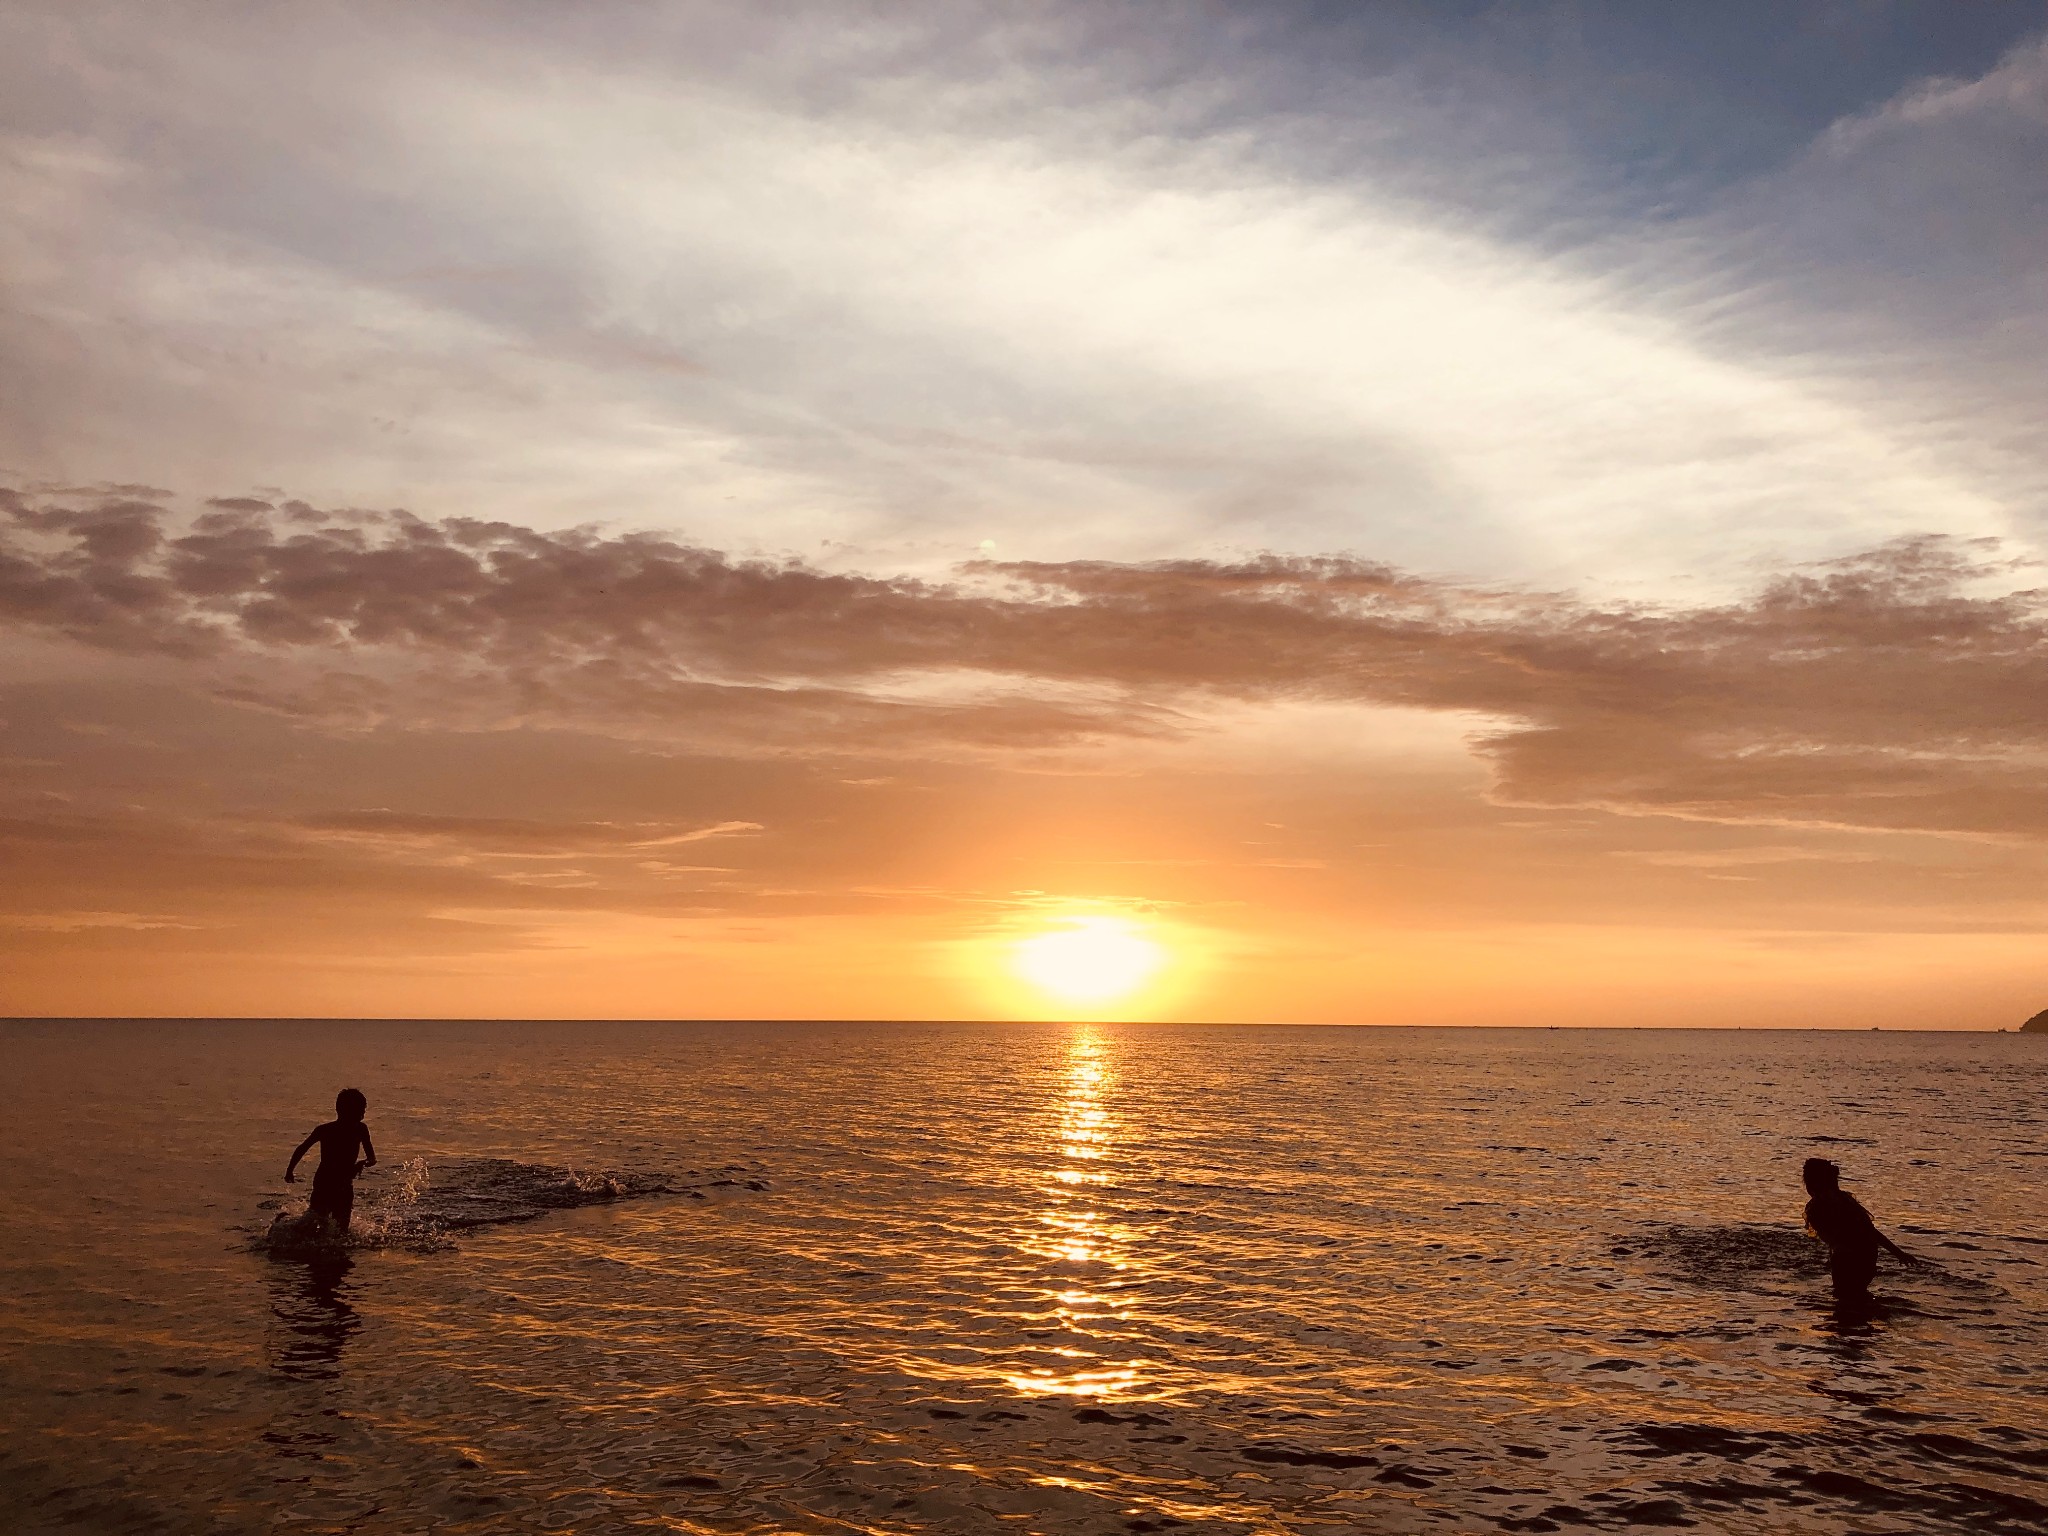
{"type": "Point", "coordinates": [280, 1018]}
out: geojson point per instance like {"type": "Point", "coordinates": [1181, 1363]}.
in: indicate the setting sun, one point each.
{"type": "Point", "coordinates": [1089, 959]}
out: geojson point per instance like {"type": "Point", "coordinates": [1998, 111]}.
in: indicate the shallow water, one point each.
{"type": "Point", "coordinates": [1030, 1278]}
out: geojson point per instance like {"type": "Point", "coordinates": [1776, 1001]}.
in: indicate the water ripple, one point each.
{"type": "Point", "coordinates": [1061, 1279]}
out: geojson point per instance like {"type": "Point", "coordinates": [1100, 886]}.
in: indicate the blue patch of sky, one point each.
{"type": "Point", "coordinates": [1662, 104]}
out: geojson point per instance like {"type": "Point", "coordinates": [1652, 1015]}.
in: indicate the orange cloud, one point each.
{"type": "Point", "coordinates": [1898, 689]}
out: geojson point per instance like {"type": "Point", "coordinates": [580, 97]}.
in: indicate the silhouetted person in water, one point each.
{"type": "Point", "coordinates": [1838, 1219]}
{"type": "Point", "coordinates": [334, 1181]}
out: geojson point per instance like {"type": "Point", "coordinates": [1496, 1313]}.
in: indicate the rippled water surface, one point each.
{"type": "Point", "coordinates": [830, 1278]}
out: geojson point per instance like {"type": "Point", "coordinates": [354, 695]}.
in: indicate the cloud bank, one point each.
{"type": "Point", "coordinates": [1897, 689]}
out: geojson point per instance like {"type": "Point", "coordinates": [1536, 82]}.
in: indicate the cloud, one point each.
{"type": "Point", "coordinates": [1914, 234]}
{"type": "Point", "coordinates": [1896, 689]}
{"type": "Point", "coordinates": [82, 922]}
{"type": "Point", "coordinates": [518, 836]}
{"type": "Point", "coordinates": [1736, 858]}
{"type": "Point", "coordinates": [896, 283]}
{"type": "Point", "coordinates": [700, 834]}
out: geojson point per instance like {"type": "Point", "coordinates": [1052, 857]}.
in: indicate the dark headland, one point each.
{"type": "Point", "coordinates": [2037, 1025]}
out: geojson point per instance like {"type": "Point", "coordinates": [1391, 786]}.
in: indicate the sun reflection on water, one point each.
{"type": "Point", "coordinates": [1086, 1243]}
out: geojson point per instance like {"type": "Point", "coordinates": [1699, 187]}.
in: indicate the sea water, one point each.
{"type": "Point", "coordinates": [1058, 1278]}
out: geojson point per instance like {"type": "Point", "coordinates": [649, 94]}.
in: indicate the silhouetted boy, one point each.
{"type": "Point", "coordinates": [334, 1181]}
{"type": "Point", "coordinates": [1838, 1219]}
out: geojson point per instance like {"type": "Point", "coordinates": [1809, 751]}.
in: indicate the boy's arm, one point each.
{"type": "Point", "coordinates": [1896, 1250]}
{"type": "Point", "coordinates": [1893, 1248]}
{"type": "Point", "coordinates": [1864, 1220]}
{"type": "Point", "coordinates": [291, 1168]}
{"type": "Point", "coordinates": [370, 1152]}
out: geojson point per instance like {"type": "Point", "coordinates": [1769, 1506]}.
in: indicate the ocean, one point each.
{"type": "Point", "coordinates": [898, 1278]}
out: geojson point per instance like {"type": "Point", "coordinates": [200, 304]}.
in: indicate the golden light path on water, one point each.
{"type": "Point", "coordinates": [1082, 1240]}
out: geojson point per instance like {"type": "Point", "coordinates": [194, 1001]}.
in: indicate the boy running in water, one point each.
{"type": "Point", "coordinates": [334, 1181]}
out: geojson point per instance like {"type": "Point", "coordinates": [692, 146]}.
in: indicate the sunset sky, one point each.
{"type": "Point", "coordinates": [1435, 513]}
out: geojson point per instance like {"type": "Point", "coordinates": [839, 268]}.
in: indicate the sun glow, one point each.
{"type": "Point", "coordinates": [1089, 960]}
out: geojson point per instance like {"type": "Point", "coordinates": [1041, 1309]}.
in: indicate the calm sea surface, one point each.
{"type": "Point", "coordinates": [1028, 1278]}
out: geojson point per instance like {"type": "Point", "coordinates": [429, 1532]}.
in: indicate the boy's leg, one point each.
{"type": "Point", "coordinates": [331, 1202]}
{"type": "Point", "coordinates": [1852, 1273]}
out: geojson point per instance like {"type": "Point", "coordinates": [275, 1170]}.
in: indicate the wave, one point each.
{"type": "Point", "coordinates": [1740, 1254]}
{"type": "Point", "coordinates": [424, 1205]}
{"type": "Point", "coordinates": [1747, 1256]}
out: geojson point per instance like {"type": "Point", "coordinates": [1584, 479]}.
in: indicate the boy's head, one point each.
{"type": "Point", "coordinates": [349, 1104]}
{"type": "Point", "coordinates": [1820, 1176]}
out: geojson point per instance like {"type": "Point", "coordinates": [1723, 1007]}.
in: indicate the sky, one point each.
{"type": "Point", "coordinates": [1448, 513]}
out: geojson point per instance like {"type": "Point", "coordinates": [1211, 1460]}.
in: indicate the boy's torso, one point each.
{"type": "Point", "coordinates": [338, 1143]}
{"type": "Point", "coordinates": [1840, 1221]}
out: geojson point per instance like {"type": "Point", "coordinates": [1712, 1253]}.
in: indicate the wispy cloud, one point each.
{"type": "Point", "coordinates": [85, 922]}
{"type": "Point", "coordinates": [1055, 281]}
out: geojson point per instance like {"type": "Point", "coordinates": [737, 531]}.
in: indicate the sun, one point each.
{"type": "Point", "coordinates": [1089, 960]}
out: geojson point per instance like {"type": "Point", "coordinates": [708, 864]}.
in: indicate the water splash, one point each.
{"type": "Point", "coordinates": [1741, 1255]}
{"type": "Point", "coordinates": [1750, 1257]}
{"type": "Point", "coordinates": [421, 1205]}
